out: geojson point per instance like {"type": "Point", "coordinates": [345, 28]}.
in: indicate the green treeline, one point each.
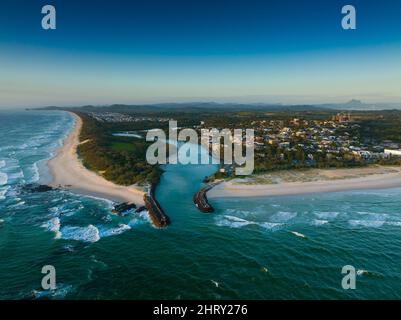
{"type": "Point", "coordinates": [118, 159]}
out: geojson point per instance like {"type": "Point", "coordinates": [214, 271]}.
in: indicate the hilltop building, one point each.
{"type": "Point", "coordinates": [392, 152]}
{"type": "Point", "coordinates": [342, 117]}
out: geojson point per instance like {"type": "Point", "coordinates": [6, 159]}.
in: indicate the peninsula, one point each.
{"type": "Point", "coordinates": [69, 173]}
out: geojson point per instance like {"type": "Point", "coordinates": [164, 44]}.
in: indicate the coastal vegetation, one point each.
{"type": "Point", "coordinates": [119, 159]}
{"type": "Point", "coordinates": [287, 138]}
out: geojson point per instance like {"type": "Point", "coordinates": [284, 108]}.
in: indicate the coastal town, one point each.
{"type": "Point", "coordinates": [281, 141]}
{"type": "Point", "coordinates": [121, 117]}
{"type": "Point", "coordinates": [333, 137]}
{"type": "Point", "coordinates": [331, 142]}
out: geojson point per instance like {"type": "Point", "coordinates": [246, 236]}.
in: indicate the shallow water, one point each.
{"type": "Point", "coordinates": [289, 247]}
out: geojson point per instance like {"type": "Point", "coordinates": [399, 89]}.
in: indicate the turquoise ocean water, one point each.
{"type": "Point", "coordinates": [273, 248]}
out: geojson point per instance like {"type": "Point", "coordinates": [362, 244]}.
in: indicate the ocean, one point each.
{"type": "Point", "coordinates": [288, 247]}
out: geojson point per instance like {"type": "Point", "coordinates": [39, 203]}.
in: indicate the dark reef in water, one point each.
{"type": "Point", "coordinates": [140, 209]}
{"type": "Point", "coordinates": [33, 187]}
{"type": "Point", "coordinates": [123, 207]}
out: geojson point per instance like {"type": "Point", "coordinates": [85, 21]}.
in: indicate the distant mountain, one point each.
{"type": "Point", "coordinates": [192, 107]}
{"type": "Point", "coordinates": [354, 103]}
{"type": "Point", "coordinates": [359, 105]}
{"type": "Point", "coordinates": [214, 106]}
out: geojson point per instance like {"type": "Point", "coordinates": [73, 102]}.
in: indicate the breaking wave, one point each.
{"type": "Point", "coordinates": [54, 226]}
{"type": "Point", "coordinates": [298, 234]}
{"type": "Point", "coordinates": [35, 173]}
{"type": "Point", "coordinates": [327, 215]}
{"type": "Point", "coordinates": [366, 223]}
{"type": "Point", "coordinates": [114, 231]}
{"type": "Point", "coordinates": [235, 222]}
{"type": "Point", "coordinates": [86, 234]}
{"type": "Point", "coordinates": [67, 209]}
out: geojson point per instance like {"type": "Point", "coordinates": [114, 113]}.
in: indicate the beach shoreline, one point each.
{"type": "Point", "coordinates": [68, 172]}
{"type": "Point", "coordinates": [375, 179]}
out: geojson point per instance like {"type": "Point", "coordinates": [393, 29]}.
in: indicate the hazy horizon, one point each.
{"type": "Point", "coordinates": [383, 105]}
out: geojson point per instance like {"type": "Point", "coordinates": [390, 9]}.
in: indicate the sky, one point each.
{"type": "Point", "coordinates": [146, 51]}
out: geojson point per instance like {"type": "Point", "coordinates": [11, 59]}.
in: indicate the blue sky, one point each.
{"type": "Point", "coordinates": [286, 51]}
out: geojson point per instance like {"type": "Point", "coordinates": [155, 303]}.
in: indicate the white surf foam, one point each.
{"type": "Point", "coordinates": [3, 178]}
{"type": "Point", "coordinates": [144, 215]}
{"type": "Point", "coordinates": [2, 164]}
{"type": "Point", "coordinates": [65, 210]}
{"type": "Point", "coordinates": [110, 204]}
{"type": "Point", "coordinates": [35, 176]}
{"type": "Point", "coordinates": [113, 231]}
{"type": "Point", "coordinates": [3, 193]}
{"type": "Point", "coordinates": [59, 293]}
{"type": "Point", "coordinates": [107, 218]}
{"type": "Point", "coordinates": [327, 215]}
{"type": "Point", "coordinates": [318, 222]}
{"type": "Point", "coordinates": [366, 223]}
{"type": "Point", "coordinates": [373, 215]}
{"type": "Point", "coordinates": [69, 248]}
{"type": "Point", "coordinates": [300, 235]}
{"type": "Point", "coordinates": [16, 175]}
{"type": "Point", "coordinates": [283, 216]}
{"type": "Point", "coordinates": [22, 146]}
{"type": "Point", "coordinates": [134, 222]}
{"type": "Point", "coordinates": [233, 222]}
{"type": "Point", "coordinates": [86, 234]}
{"type": "Point", "coordinates": [270, 225]}
{"type": "Point", "coordinates": [19, 205]}
{"type": "Point", "coordinates": [361, 272]}
{"type": "Point", "coordinates": [54, 226]}
{"type": "Point", "coordinates": [394, 223]}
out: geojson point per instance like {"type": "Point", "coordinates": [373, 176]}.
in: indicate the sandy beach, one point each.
{"type": "Point", "coordinates": [69, 173]}
{"type": "Point", "coordinates": [311, 181]}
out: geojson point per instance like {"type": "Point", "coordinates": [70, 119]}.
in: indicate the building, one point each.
{"type": "Point", "coordinates": [342, 117]}
{"type": "Point", "coordinates": [392, 152]}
